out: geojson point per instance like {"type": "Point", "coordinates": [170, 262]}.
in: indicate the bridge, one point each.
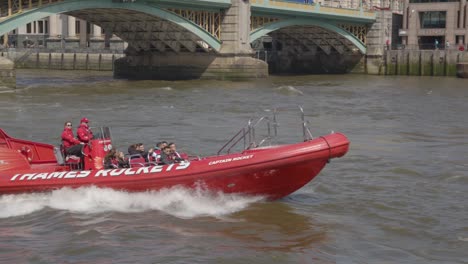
{"type": "Point", "coordinates": [211, 38]}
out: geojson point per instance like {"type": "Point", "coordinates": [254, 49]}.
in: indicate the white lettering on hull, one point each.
{"type": "Point", "coordinates": [230, 160]}
{"type": "Point", "coordinates": [99, 173]}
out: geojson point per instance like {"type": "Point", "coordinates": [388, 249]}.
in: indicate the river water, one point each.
{"type": "Point", "coordinates": [399, 196]}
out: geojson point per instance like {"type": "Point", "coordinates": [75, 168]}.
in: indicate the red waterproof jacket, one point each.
{"type": "Point", "coordinates": [68, 139]}
{"type": "Point", "coordinates": [83, 133]}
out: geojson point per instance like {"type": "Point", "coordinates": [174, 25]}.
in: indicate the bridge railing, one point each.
{"type": "Point", "coordinates": [394, 5]}
{"type": "Point", "coordinates": [60, 50]}
{"type": "Point", "coordinates": [309, 5]}
{"type": "Point", "coordinates": [356, 5]}
{"type": "Point", "coordinates": [12, 7]}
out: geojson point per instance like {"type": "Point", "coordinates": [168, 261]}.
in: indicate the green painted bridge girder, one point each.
{"type": "Point", "coordinates": [73, 5]}
{"type": "Point", "coordinates": [265, 30]}
{"type": "Point", "coordinates": [292, 9]}
{"type": "Point", "coordinates": [211, 5]}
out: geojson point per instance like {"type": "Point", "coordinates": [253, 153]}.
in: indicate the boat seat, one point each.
{"type": "Point", "coordinates": [74, 162]}
{"type": "Point", "coordinates": [136, 161]}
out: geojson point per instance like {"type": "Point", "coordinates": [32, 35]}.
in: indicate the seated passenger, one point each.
{"type": "Point", "coordinates": [166, 156]}
{"type": "Point", "coordinates": [140, 149]}
{"type": "Point", "coordinates": [156, 155]}
{"type": "Point", "coordinates": [132, 149]}
{"type": "Point", "coordinates": [110, 161]}
{"type": "Point", "coordinates": [70, 144]}
{"type": "Point", "coordinates": [115, 159]}
{"type": "Point", "coordinates": [176, 157]}
{"type": "Point", "coordinates": [123, 163]}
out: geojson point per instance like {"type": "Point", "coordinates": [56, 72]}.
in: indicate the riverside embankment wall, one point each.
{"type": "Point", "coordinates": [7, 74]}
{"type": "Point", "coordinates": [423, 62]}
{"type": "Point", "coordinates": [57, 60]}
{"type": "Point", "coordinates": [395, 62]}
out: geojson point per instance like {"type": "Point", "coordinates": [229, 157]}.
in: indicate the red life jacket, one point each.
{"type": "Point", "coordinates": [68, 139]}
{"type": "Point", "coordinates": [83, 133]}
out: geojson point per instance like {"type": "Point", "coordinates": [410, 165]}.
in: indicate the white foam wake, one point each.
{"type": "Point", "coordinates": [289, 90]}
{"type": "Point", "coordinates": [179, 202]}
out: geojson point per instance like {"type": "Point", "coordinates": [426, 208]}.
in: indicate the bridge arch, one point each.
{"type": "Point", "coordinates": [70, 6]}
{"type": "Point", "coordinates": [266, 29]}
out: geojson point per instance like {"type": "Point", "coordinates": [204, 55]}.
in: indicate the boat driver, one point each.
{"type": "Point", "coordinates": [83, 132]}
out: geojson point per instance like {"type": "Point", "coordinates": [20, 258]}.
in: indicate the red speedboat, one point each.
{"type": "Point", "coordinates": [271, 171]}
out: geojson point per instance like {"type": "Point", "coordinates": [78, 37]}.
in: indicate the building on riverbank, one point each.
{"type": "Point", "coordinates": [62, 32]}
{"type": "Point", "coordinates": [434, 24]}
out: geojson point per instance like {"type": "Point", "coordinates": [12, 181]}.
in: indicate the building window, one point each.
{"type": "Point", "coordinates": [40, 26]}
{"type": "Point", "coordinates": [28, 28]}
{"type": "Point", "coordinates": [46, 27]}
{"type": "Point", "coordinates": [434, 19]}
{"type": "Point", "coordinates": [77, 27]}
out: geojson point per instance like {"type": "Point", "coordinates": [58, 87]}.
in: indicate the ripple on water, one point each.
{"type": "Point", "coordinates": [288, 90]}
{"type": "Point", "coordinates": [398, 196]}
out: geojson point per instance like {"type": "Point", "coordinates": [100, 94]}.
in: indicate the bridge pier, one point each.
{"type": "Point", "coordinates": [186, 66]}
{"type": "Point", "coordinates": [234, 60]}
{"type": "Point", "coordinates": [7, 74]}
{"type": "Point", "coordinates": [377, 38]}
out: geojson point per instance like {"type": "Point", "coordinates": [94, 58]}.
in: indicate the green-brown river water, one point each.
{"type": "Point", "coordinates": [399, 196]}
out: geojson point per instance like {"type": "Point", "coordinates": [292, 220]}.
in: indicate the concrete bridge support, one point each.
{"type": "Point", "coordinates": [377, 38]}
{"type": "Point", "coordinates": [233, 61]}
{"type": "Point", "coordinates": [7, 74]}
{"type": "Point", "coordinates": [236, 56]}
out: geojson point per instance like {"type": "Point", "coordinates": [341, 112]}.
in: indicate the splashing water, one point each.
{"type": "Point", "coordinates": [179, 202]}
{"type": "Point", "coordinates": [289, 90]}
{"type": "Point", "coordinates": [166, 88]}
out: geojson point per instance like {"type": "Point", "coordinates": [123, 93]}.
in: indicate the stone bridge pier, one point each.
{"type": "Point", "coordinates": [234, 60]}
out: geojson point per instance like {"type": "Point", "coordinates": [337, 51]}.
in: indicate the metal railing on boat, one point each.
{"type": "Point", "coordinates": [247, 134]}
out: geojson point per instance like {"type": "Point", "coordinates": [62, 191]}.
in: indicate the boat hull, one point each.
{"type": "Point", "coordinates": [273, 172]}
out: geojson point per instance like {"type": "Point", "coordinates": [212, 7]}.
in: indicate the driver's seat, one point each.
{"type": "Point", "coordinates": [74, 162]}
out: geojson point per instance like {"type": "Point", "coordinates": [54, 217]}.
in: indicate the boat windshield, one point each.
{"type": "Point", "coordinates": [101, 132]}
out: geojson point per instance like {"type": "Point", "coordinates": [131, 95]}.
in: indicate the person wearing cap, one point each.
{"type": "Point", "coordinates": [83, 132]}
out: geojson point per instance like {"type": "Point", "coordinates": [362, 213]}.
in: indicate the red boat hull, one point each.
{"type": "Point", "coordinates": [273, 172]}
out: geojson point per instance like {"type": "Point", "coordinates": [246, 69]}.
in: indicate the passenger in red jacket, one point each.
{"type": "Point", "coordinates": [83, 132]}
{"type": "Point", "coordinates": [71, 145]}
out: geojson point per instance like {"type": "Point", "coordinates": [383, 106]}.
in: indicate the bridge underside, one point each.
{"type": "Point", "coordinates": [313, 39]}
{"type": "Point", "coordinates": [143, 32]}
{"type": "Point", "coordinates": [293, 49]}
{"type": "Point", "coordinates": [308, 49]}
